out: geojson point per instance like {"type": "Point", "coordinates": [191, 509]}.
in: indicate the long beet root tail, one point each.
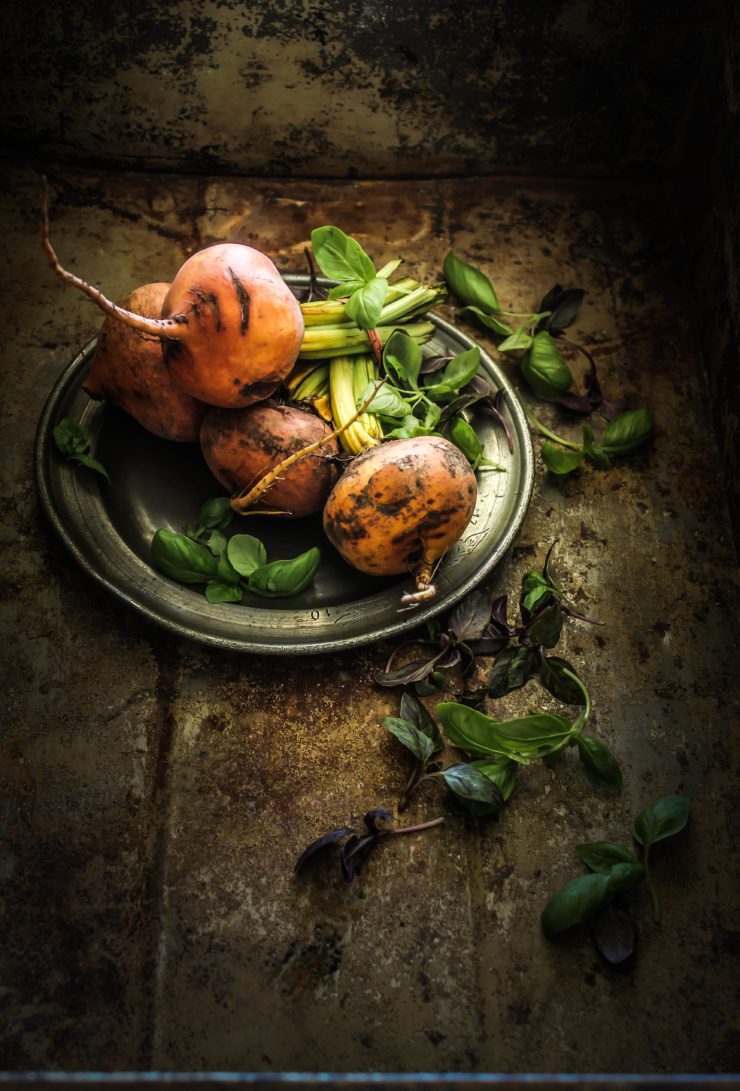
{"type": "Point", "coordinates": [174, 327]}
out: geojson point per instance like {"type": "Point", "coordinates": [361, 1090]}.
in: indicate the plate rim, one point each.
{"type": "Point", "coordinates": [407, 622]}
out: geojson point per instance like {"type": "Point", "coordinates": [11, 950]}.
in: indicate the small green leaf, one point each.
{"type": "Point", "coordinates": [547, 627]}
{"type": "Point", "coordinates": [457, 373]}
{"type": "Point", "coordinates": [603, 855]}
{"type": "Point", "coordinates": [216, 542]}
{"type": "Point", "coordinates": [664, 818]}
{"type": "Point", "coordinates": [340, 257]}
{"type": "Point", "coordinates": [518, 340]}
{"type": "Point", "coordinates": [216, 591]}
{"type": "Point", "coordinates": [182, 559]}
{"type": "Point", "coordinates": [575, 902]}
{"type": "Point", "coordinates": [92, 464]}
{"type": "Point", "coordinates": [404, 356]}
{"type": "Point", "coordinates": [281, 579]}
{"type": "Point", "coordinates": [465, 439]}
{"type": "Point", "coordinates": [523, 739]}
{"type": "Point", "coordinates": [386, 403]}
{"type": "Point", "coordinates": [558, 683]}
{"type": "Point", "coordinates": [215, 514]}
{"type": "Point", "coordinates": [512, 668]}
{"type": "Point", "coordinates": [628, 431]}
{"type": "Point", "coordinates": [544, 368]}
{"type": "Point", "coordinates": [599, 762]}
{"type": "Point", "coordinates": [71, 438]}
{"type": "Point", "coordinates": [470, 285]}
{"type": "Point", "coordinates": [502, 771]}
{"type": "Point", "coordinates": [414, 712]}
{"type": "Point", "coordinates": [560, 462]}
{"type": "Point", "coordinates": [226, 573]}
{"type": "Point", "coordinates": [490, 321]}
{"type": "Point", "coordinates": [246, 554]}
{"type": "Point", "coordinates": [345, 290]}
{"type": "Point", "coordinates": [420, 745]}
{"type": "Point", "coordinates": [626, 876]}
{"type": "Point", "coordinates": [470, 785]}
{"type": "Point", "coordinates": [366, 303]}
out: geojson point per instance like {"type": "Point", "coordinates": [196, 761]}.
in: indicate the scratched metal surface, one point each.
{"type": "Point", "coordinates": [155, 793]}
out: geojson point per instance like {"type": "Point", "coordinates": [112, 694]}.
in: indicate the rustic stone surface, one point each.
{"type": "Point", "coordinates": [156, 793]}
{"type": "Point", "coordinates": [367, 87]}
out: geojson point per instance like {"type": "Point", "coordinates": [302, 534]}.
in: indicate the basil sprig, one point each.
{"type": "Point", "coordinates": [74, 442]}
{"type": "Point", "coordinates": [228, 567]}
{"type": "Point", "coordinates": [341, 258]}
{"type": "Point", "coordinates": [624, 434]}
{"type": "Point", "coordinates": [615, 871]}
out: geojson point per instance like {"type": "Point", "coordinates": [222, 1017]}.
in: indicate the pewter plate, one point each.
{"type": "Point", "coordinates": [155, 483]}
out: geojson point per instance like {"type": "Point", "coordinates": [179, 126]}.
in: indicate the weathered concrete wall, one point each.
{"type": "Point", "coordinates": [709, 188]}
{"type": "Point", "coordinates": [349, 87]}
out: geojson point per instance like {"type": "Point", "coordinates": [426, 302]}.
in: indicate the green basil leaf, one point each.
{"type": "Point", "coordinates": [603, 855]}
{"type": "Point", "coordinates": [535, 588]}
{"type": "Point", "coordinates": [627, 432]}
{"type": "Point", "coordinates": [626, 876]}
{"type": "Point", "coordinates": [522, 739]}
{"type": "Point", "coordinates": [502, 771]}
{"type": "Point", "coordinates": [464, 438]}
{"type": "Point", "coordinates": [246, 554]}
{"type": "Point", "coordinates": [557, 682]}
{"type": "Point", "coordinates": [71, 438]}
{"type": "Point", "coordinates": [283, 578]}
{"type": "Point", "coordinates": [404, 356]}
{"type": "Point", "coordinates": [92, 464]}
{"type": "Point", "coordinates": [346, 289]}
{"type": "Point", "coordinates": [458, 372]}
{"type": "Point", "coordinates": [544, 368]}
{"type": "Point", "coordinates": [546, 629]}
{"type": "Point", "coordinates": [420, 745]}
{"type": "Point", "coordinates": [470, 285]}
{"type": "Point", "coordinates": [491, 321]}
{"type": "Point", "coordinates": [518, 340]}
{"type": "Point", "coordinates": [470, 786]}
{"type": "Point", "coordinates": [386, 403]}
{"type": "Point", "coordinates": [414, 712]}
{"type": "Point", "coordinates": [340, 257]}
{"type": "Point", "coordinates": [410, 426]}
{"type": "Point", "coordinates": [366, 303]}
{"type": "Point", "coordinates": [215, 514]}
{"type": "Point", "coordinates": [664, 818]}
{"type": "Point", "coordinates": [558, 461]}
{"type": "Point", "coordinates": [575, 902]}
{"type": "Point", "coordinates": [226, 573]}
{"type": "Point", "coordinates": [216, 542]}
{"type": "Point", "coordinates": [217, 591]}
{"type": "Point", "coordinates": [512, 668]}
{"type": "Point", "coordinates": [599, 762]}
{"type": "Point", "coordinates": [182, 559]}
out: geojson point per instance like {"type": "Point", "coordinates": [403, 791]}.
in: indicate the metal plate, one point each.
{"type": "Point", "coordinates": [156, 484]}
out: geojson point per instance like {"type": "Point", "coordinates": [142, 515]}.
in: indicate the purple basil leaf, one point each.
{"type": "Point", "coordinates": [488, 645]}
{"type": "Point", "coordinates": [416, 671]}
{"type": "Point", "coordinates": [492, 406]}
{"type": "Point", "coordinates": [434, 363]}
{"type": "Point", "coordinates": [470, 617]}
{"type": "Point", "coordinates": [318, 845]}
{"type": "Point", "coordinates": [564, 310]}
{"type": "Point", "coordinates": [549, 300]}
{"type": "Point", "coordinates": [463, 401]}
{"type": "Point", "coordinates": [478, 385]}
{"type": "Point", "coordinates": [449, 658]}
{"type": "Point", "coordinates": [378, 814]}
{"type": "Point", "coordinates": [354, 853]}
{"type": "Point", "coordinates": [614, 933]}
{"type": "Point", "coordinates": [576, 403]}
{"type": "Point", "coordinates": [611, 408]}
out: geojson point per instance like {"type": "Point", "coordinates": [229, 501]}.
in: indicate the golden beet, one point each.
{"type": "Point", "coordinates": [128, 369]}
{"type": "Point", "coordinates": [242, 445]}
{"type": "Point", "coordinates": [401, 506]}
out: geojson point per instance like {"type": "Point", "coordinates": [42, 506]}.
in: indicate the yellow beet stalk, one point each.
{"type": "Point", "coordinates": [365, 431]}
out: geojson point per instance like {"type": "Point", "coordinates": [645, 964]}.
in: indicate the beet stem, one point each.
{"type": "Point", "coordinates": [174, 327]}
{"type": "Point", "coordinates": [246, 499]}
